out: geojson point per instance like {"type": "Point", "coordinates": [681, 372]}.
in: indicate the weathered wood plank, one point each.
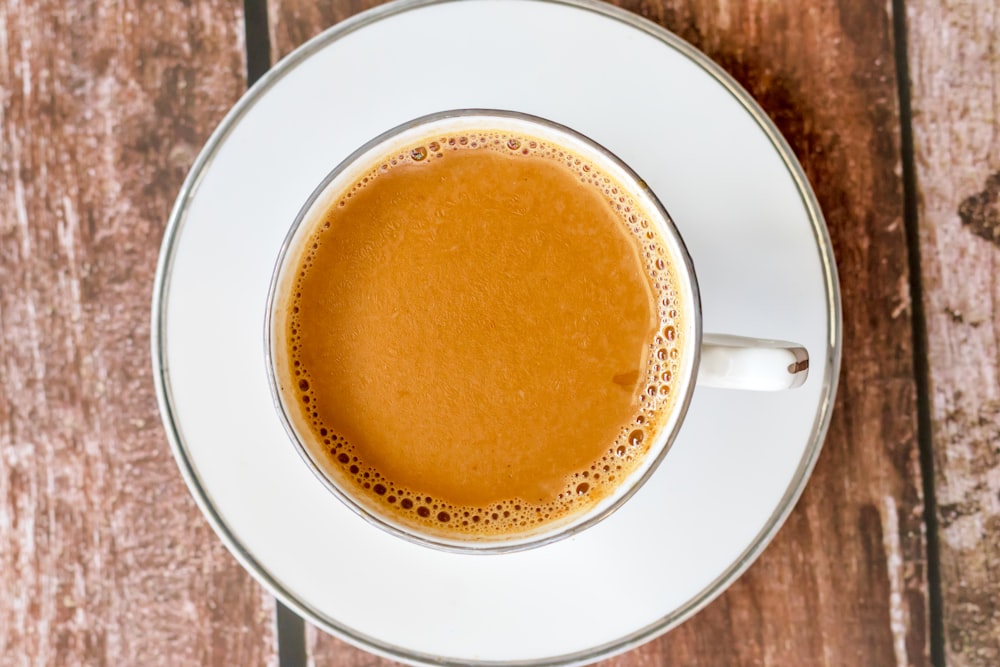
{"type": "Point", "coordinates": [955, 84]}
{"type": "Point", "coordinates": [844, 582]}
{"type": "Point", "coordinates": [104, 557]}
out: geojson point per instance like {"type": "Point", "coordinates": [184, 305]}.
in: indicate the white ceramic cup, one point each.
{"type": "Point", "coordinates": [727, 361]}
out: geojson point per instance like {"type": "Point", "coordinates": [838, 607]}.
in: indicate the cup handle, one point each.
{"type": "Point", "coordinates": [736, 362]}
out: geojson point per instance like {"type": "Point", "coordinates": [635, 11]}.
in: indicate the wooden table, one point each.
{"type": "Point", "coordinates": [892, 556]}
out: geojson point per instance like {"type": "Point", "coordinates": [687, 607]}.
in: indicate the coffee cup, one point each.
{"type": "Point", "coordinates": [483, 332]}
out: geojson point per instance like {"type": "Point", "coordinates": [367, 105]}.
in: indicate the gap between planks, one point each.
{"type": "Point", "coordinates": [918, 319]}
{"type": "Point", "coordinates": [290, 628]}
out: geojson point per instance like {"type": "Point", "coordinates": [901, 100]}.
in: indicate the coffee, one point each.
{"type": "Point", "coordinates": [479, 335]}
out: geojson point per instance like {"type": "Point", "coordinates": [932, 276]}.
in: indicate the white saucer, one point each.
{"type": "Point", "coordinates": [750, 222]}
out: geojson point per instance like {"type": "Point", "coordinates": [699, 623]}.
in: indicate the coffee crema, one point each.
{"type": "Point", "coordinates": [481, 335]}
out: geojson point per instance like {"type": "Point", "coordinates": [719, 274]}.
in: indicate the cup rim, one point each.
{"type": "Point", "coordinates": [666, 434]}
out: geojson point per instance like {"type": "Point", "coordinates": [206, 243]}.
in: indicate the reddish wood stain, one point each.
{"type": "Point", "coordinates": [104, 557]}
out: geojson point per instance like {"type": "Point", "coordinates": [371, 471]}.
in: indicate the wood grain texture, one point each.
{"type": "Point", "coordinates": [955, 84]}
{"type": "Point", "coordinates": [104, 557]}
{"type": "Point", "coordinates": [844, 583]}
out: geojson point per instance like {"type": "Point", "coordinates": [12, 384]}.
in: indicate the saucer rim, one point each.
{"type": "Point", "coordinates": [161, 371]}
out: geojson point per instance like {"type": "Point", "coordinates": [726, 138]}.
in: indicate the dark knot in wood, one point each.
{"type": "Point", "coordinates": [981, 212]}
